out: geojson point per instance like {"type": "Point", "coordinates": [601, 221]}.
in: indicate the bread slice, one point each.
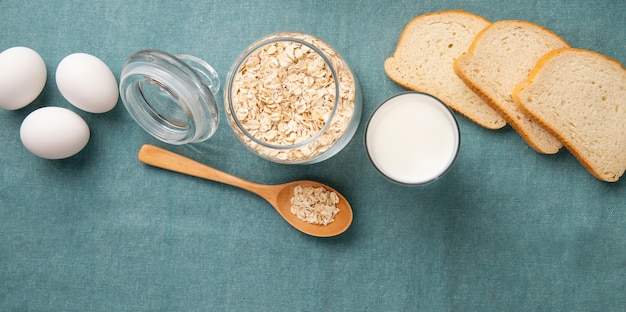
{"type": "Point", "coordinates": [500, 57]}
{"type": "Point", "coordinates": [580, 97]}
{"type": "Point", "coordinates": [423, 61]}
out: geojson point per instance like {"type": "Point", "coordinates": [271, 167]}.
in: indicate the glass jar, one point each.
{"type": "Point", "coordinates": [292, 99]}
{"type": "Point", "coordinates": [171, 97]}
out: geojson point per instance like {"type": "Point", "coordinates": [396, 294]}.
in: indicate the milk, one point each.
{"type": "Point", "coordinates": [412, 138]}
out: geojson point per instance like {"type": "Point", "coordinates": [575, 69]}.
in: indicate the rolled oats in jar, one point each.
{"type": "Point", "coordinates": [291, 98]}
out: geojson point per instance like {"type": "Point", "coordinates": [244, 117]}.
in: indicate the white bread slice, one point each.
{"type": "Point", "coordinates": [580, 97]}
{"type": "Point", "coordinates": [423, 61]}
{"type": "Point", "coordinates": [500, 57]}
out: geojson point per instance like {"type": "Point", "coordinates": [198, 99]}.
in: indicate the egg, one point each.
{"type": "Point", "coordinates": [22, 77]}
{"type": "Point", "coordinates": [87, 83]}
{"type": "Point", "coordinates": [54, 133]}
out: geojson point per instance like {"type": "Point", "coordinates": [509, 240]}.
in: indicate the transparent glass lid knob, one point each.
{"type": "Point", "coordinates": [171, 96]}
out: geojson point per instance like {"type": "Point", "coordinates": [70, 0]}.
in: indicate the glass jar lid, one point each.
{"type": "Point", "coordinates": [171, 96]}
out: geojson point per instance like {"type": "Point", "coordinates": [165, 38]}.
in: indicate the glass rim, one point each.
{"type": "Point", "coordinates": [259, 44]}
{"type": "Point", "coordinates": [453, 158]}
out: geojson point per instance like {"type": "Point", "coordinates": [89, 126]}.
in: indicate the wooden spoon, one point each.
{"type": "Point", "coordinates": [278, 196]}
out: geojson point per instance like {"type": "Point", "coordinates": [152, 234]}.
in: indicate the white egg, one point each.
{"type": "Point", "coordinates": [87, 83]}
{"type": "Point", "coordinates": [22, 77]}
{"type": "Point", "coordinates": [54, 133]}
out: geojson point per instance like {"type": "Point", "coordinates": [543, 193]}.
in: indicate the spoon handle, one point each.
{"type": "Point", "coordinates": [164, 159]}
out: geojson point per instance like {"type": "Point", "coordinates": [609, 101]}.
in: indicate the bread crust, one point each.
{"type": "Point", "coordinates": [549, 146]}
{"type": "Point", "coordinates": [486, 116]}
{"type": "Point", "coordinates": [572, 147]}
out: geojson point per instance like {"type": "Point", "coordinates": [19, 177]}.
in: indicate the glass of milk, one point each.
{"type": "Point", "coordinates": [412, 138]}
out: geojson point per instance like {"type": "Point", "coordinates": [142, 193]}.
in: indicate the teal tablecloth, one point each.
{"type": "Point", "coordinates": [506, 230]}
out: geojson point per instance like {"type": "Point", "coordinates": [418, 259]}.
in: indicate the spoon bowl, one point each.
{"type": "Point", "coordinates": [279, 196]}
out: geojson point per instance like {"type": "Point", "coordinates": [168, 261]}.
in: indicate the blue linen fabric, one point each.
{"type": "Point", "coordinates": [506, 229]}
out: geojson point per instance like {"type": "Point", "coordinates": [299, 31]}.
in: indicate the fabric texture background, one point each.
{"type": "Point", "coordinates": [506, 229]}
